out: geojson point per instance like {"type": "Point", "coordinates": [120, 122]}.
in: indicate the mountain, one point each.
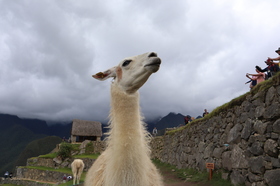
{"type": "Point", "coordinates": [37, 147]}
{"type": "Point", "coordinates": [169, 121]}
{"type": "Point", "coordinates": [16, 133]}
{"type": "Point", "coordinates": [22, 138]}
{"type": "Point", "coordinates": [13, 139]}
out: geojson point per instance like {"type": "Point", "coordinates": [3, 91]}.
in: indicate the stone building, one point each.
{"type": "Point", "coordinates": [85, 130]}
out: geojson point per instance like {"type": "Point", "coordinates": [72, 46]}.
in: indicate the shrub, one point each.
{"type": "Point", "coordinates": [64, 150]}
{"type": "Point", "coordinates": [89, 148]}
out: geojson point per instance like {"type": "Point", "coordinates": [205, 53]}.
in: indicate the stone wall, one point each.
{"type": "Point", "coordinates": [243, 141]}
{"type": "Point", "coordinates": [36, 174]}
{"type": "Point", "coordinates": [23, 182]}
{"type": "Point", "coordinates": [57, 163]}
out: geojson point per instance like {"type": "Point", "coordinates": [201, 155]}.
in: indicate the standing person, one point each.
{"type": "Point", "coordinates": [6, 175]}
{"type": "Point", "coordinates": [155, 132]}
{"type": "Point", "coordinates": [277, 58]}
{"type": "Point", "coordinates": [187, 119]}
{"type": "Point", "coordinates": [11, 175]}
{"type": "Point", "coordinates": [205, 112]}
{"type": "Point", "coordinates": [259, 77]}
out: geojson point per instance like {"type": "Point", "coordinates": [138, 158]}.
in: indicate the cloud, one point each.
{"type": "Point", "coordinates": [50, 49]}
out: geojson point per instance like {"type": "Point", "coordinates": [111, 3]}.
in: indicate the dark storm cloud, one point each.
{"type": "Point", "coordinates": [50, 49]}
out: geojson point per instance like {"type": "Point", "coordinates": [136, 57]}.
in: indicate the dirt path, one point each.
{"type": "Point", "coordinates": [171, 179]}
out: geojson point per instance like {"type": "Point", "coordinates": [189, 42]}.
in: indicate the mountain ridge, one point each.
{"type": "Point", "coordinates": [17, 133]}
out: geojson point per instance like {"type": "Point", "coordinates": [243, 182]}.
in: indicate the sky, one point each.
{"type": "Point", "coordinates": [50, 49]}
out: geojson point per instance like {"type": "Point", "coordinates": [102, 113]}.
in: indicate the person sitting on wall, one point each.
{"type": "Point", "coordinates": [259, 77]}
{"type": "Point", "coordinates": [276, 58]}
{"type": "Point", "coordinates": [271, 68]}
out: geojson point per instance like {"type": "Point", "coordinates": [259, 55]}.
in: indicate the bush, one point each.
{"type": "Point", "coordinates": [89, 148]}
{"type": "Point", "coordinates": [65, 150]}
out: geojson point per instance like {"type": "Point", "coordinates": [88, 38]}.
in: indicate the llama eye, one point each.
{"type": "Point", "coordinates": [126, 62]}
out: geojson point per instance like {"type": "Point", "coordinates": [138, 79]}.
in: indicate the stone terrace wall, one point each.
{"type": "Point", "coordinates": [36, 174]}
{"type": "Point", "coordinates": [242, 141]}
{"type": "Point", "coordinates": [23, 182]}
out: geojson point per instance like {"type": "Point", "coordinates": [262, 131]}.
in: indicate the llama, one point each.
{"type": "Point", "coordinates": [77, 167]}
{"type": "Point", "coordinates": [126, 160]}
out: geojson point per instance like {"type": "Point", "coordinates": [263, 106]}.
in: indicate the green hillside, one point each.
{"type": "Point", "coordinates": [37, 147]}
{"type": "Point", "coordinates": [12, 141]}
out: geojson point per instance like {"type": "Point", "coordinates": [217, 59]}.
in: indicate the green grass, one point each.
{"type": "Point", "coordinates": [52, 155]}
{"type": "Point", "coordinates": [192, 175]}
{"type": "Point", "coordinates": [90, 156]}
{"type": "Point", "coordinates": [63, 170]}
{"type": "Point", "coordinates": [10, 185]}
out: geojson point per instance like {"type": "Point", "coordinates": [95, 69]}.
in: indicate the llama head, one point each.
{"type": "Point", "coordinates": [132, 72]}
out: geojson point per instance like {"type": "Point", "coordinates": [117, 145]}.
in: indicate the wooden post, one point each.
{"type": "Point", "coordinates": [210, 166]}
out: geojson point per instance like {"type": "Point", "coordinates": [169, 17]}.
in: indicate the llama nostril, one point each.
{"type": "Point", "coordinates": [152, 54]}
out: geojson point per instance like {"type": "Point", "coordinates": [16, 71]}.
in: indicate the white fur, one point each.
{"type": "Point", "coordinates": [126, 160]}
{"type": "Point", "coordinates": [77, 167]}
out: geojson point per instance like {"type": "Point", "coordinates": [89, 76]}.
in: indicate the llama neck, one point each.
{"type": "Point", "coordinates": [125, 113]}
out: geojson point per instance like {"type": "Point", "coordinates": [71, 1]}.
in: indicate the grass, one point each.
{"type": "Point", "coordinates": [52, 155]}
{"type": "Point", "coordinates": [71, 181]}
{"type": "Point", "coordinates": [63, 170]}
{"type": "Point", "coordinates": [193, 175]}
{"type": "Point", "coordinates": [90, 156]}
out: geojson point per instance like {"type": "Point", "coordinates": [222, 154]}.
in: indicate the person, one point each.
{"type": "Point", "coordinates": [155, 132]}
{"type": "Point", "coordinates": [6, 174]}
{"type": "Point", "coordinates": [277, 58]}
{"type": "Point", "coordinates": [271, 68]}
{"type": "Point", "coordinates": [259, 77]}
{"type": "Point", "coordinates": [205, 112]}
{"type": "Point", "coordinates": [64, 178]}
{"type": "Point", "coordinates": [187, 119]}
{"type": "Point", "coordinates": [11, 175]}
{"type": "Point", "coordinates": [252, 81]}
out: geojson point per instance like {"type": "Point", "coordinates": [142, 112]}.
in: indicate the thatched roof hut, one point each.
{"type": "Point", "coordinates": [85, 130]}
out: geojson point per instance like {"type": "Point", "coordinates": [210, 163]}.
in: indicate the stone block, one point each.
{"type": "Point", "coordinates": [234, 134]}
{"type": "Point", "coordinates": [260, 127]}
{"type": "Point", "coordinates": [272, 111]}
{"type": "Point", "coordinates": [272, 177]}
{"type": "Point", "coordinates": [270, 94]}
{"type": "Point", "coordinates": [217, 153]}
{"type": "Point", "coordinates": [254, 178]}
{"type": "Point", "coordinates": [275, 162]}
{"type": "Point", "coordinates": [247, 130]}
{"type": "Point", "coordinates": [238, 158]}
{"type": "Point", "coordinates": [237, 178]}
{"type": "Point", "coordinates": [226, 160]}
{"type": "Point", "coordinates": [276, 126]}
{"type": "Point", "coordinates": [256, 148]}
{"type": "Point", "coordinates": [256, 165]}
{"type": "Point", "coordinates": [270, 147]}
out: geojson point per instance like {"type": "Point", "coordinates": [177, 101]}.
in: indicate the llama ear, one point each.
{"type": "Point", "coordinates": [106, 74]}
